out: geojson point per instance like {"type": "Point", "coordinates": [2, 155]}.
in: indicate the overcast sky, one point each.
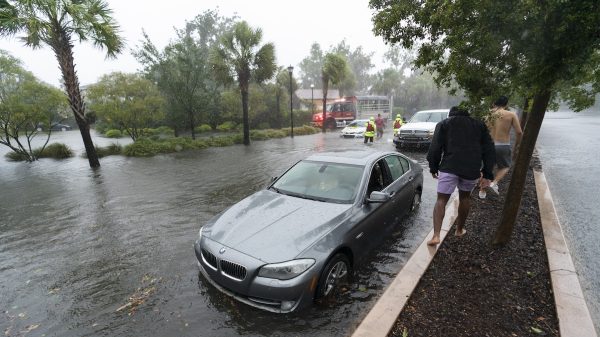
{"type": "Point", "coordinates": [291, 26]}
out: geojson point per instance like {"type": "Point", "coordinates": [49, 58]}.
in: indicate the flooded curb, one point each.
{"type": "Point", "coordinates": [572, 311]}
{"type": "Point", "coordinates": [380, 320]}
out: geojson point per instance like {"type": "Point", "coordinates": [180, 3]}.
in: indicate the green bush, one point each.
{"type": "Point", "coordinates": [238, 138]}
{"type": "Point", "coordinates": [165, 130]}
{"type": "Point", "coordinates": [54, 150]}
{"type": "Point", "coordinates": [147, 147]}
{"type": "Point", "coordinates": [226, 127]}
{"type": "Point", "coordinates": [258, 135]}
{"type": "Point", "coordinates": [15, 156]}
{"type": "Point", "coordinates": [272, 133]}
{"type": "Point", "coordinates": [113, 133]}
{"type": "Point", "coordinates": [111, 150]}
{"type": "Point", "coordinates": [203, 128]}
{"type": "Point", "coordinates": [221, 141]}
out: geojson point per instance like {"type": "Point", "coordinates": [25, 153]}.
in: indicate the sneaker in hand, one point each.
{"type": "Point", "coordinates": [482, 194]}
{"type": "Point", "coordinates": [494, 188]}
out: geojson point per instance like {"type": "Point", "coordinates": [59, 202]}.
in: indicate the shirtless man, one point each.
{"type": "Point", "coordinates": [499, 123]}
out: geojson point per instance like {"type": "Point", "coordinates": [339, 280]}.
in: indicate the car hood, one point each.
{"type": "Point", "coordinates": [274, 227]}
{"type": "Point", "coordinates": [419, 126]}
{"type": "Point", "coordinates": [354, 130]}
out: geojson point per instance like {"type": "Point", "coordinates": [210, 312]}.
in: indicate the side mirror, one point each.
{"type": "Point", "coordinates": [273, 179]}
{"type": "Point", "coordinates": [378, 197]}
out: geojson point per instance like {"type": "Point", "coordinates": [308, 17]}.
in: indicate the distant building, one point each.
{"type": "Point", "coordinates": [316, 95]}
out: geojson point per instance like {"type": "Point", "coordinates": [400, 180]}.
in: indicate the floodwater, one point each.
{"type": "Point", "coordinates": [76, 244]}
{"type": "Point", "coordinates": [568, 146]}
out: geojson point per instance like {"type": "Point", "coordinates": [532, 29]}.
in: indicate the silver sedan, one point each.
{"type": "Point", "coordinates": [299, 239]}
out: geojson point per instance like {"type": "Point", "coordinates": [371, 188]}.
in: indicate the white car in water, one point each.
{"type": "Point", "coordinates": [356, 129]}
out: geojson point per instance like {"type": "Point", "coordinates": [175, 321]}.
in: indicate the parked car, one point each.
{"type": "Point", "coordinates": [355, 129]}
{"type": "Point", "coordinates": [300, 238]}
{"type": "Point", "coordinates": [419, 129]}
{"type": "Point", "coordinates": [60, 127]}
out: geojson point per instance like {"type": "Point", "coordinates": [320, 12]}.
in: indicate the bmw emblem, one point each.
{"type": "Point", "coordinates": [222, 250]}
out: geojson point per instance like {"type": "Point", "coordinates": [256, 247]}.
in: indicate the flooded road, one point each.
{"type": "Point", "coordinates": [76, 244]}
{"type": "Point", "coordinates": [568, 146]}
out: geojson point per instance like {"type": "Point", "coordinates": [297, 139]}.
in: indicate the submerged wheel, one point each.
{"type": "Point", "coordinates": [415, 202]}
{"type": "Point", "coordinates": [330, 124]}
{"type": "Point", "coordinates": [335, 274]}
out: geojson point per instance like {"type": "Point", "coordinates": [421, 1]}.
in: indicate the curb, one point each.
{"type": "Point", "coordinates": [574, 318]}
{"type": "Point", "coordinates": [381, 318]}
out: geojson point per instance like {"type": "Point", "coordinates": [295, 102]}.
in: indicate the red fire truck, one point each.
{"type": "Point", "coordinates": [342, 111]}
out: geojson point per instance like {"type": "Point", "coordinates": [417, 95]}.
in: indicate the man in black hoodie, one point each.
{"type": "Point", "coordinates": [461, 152]}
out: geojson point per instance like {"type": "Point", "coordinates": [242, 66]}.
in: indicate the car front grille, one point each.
{"type": "Point", "coordinates": [414, 133]}
{"type": "Point", "coordinates": [209, 258]}
{"type": "Point", "coordinates": [233, 270]}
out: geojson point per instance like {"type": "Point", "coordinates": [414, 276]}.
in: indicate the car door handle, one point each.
{"type": "Point", "coordinates": [410, 179]}
{"type": "Point", "coordinates": [360, 235]}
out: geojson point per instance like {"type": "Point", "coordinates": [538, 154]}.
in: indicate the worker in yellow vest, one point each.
{"type": "Point", "coordinates": [397, 124]}
{"type": "Point", "coordinates": [370, 131]}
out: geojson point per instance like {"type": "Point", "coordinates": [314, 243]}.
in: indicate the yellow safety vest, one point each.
{"type": "Point", "coordinates": [371, 133]}
{"type": "Point", "coordinates": [397, 125]}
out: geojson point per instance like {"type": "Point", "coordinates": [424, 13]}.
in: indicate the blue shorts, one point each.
{"type": "Point", "coordinates": [447, 182]}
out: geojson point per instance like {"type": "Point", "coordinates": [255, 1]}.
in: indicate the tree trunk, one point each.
{"type": "Point", "coordinates": [63, 49]}
{"type": "Point", "coordinates": [245, 121]}
{"type": "Point", "coordinates": [517, 182]}
{"type": "Point", "coordinates": [191, 115]}
{"type": "Point", "coordinates": [325, 88]}
{"type": "Point", "coordinates": [524, 114]}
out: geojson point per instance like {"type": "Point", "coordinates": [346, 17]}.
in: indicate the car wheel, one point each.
{"type": "Point", "coordinates": [335, 274]}
{"type": "Point", "coordinates": [415, 202]}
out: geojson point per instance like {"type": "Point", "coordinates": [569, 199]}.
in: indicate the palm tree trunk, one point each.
{"type": "Point", "coordinates": [517, 182]}
{"type": "Point", "coordinates": [245, 122]}
{"type": "Point", "coordinates": [63, 49]}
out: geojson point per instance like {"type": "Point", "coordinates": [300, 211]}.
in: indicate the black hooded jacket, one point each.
{"type": "Point", "coordinates": [462, 145]}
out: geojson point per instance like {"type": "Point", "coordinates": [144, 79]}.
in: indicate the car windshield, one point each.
{"type": "Point", "coordinates": [355, 124]}
{"type": "Point", "coordinates": [322, 181]}
{"type": "Point", "coordinates": [429, 116]}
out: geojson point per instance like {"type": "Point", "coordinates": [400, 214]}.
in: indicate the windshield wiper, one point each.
{"type": "Point", "coordinates": [275, 189]}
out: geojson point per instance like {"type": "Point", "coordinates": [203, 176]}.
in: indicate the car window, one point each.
{"type": "Point", "coordinates": [396, 169]}
{"type": "Point", "coordinates": [380, 177]}
{"type": "Point", "coordinates": [323, 181]}
{"type": "Point", "coordinates": [405, 164]}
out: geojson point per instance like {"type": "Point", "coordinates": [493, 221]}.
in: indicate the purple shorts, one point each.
{"type": "Point", "coordinates": [447, 182]}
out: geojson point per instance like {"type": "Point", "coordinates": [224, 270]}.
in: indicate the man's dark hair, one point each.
{"type": "Point", "coordinates": [501, 101]}
{"type": "Point", "coordinates": [458, 111]}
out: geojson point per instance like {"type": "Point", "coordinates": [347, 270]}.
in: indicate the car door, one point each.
{"type": "Point", "coordinates": [401, 188]}
{"type": "Point", "coordinates": [371, 218]}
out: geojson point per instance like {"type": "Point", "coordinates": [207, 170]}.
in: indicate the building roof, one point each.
{"type": "Point", "coordinates": [317, 94]}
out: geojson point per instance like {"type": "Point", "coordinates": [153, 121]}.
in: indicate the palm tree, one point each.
{"type": "Point", "coordinates": [335, 70]}
{"type": "Point", "coordinates": [239, 56]}
{"type": "Point", "coordinates": [57, 23]}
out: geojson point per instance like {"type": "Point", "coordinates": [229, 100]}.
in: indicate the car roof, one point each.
{"type": "Point", "coordinates": [435, 110]}
{"type": "Point", "coordinates": [353, 157]}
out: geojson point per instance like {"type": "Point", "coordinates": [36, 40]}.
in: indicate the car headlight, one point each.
{"type": "Point", "coordinates": [200, 232]}
{"type": "Point", "coordinates": [286, 270]}
{"type": "Point", "coordinates": [430, 132]}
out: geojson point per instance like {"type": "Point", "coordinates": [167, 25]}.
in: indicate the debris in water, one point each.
{"type": "Point", "coordinates": [141, 294]}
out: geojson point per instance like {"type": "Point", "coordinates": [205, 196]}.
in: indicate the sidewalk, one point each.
{"type": "Point", "coordinates": [573, 316]}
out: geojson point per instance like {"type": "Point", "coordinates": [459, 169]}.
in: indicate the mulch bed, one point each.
{"type": "Point", "coordinates": [474, 289]}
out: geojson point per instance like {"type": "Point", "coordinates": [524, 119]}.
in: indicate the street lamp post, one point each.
{"type": "Point", "coordinates": [312, 98]}
{"type": "Point", "coordinates": [290, 71]}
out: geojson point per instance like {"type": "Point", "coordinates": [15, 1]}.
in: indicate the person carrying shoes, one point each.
{"type": "Point", "coordinates": [461, 151]}
{"type": "Point", "coordinates": [500, 122]}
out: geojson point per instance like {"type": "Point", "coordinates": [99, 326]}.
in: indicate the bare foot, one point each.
{"type": "Point", "coordinates": [434, 241]}
{"type": "Point", "coordinates": [460, 231]}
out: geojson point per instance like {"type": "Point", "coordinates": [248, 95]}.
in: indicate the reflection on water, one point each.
{"type": "Point", "coordinates": [75, 244]}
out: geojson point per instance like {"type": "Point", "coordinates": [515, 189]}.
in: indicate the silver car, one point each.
{"type": "Point", "coordinates": [299, 239]}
